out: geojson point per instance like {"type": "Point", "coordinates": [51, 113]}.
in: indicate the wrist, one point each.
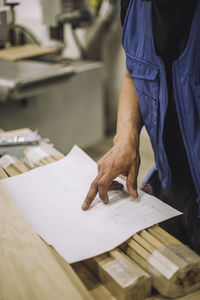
{"type": "Point", "coordinates": [127, 137]}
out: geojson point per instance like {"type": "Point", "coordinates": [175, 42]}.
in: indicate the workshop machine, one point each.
{"type": "Point", "coordinates": [95, 16]}
{"type": "Point", "coordinates": [33, 88]}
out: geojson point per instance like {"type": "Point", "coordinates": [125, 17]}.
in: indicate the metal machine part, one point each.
{"type": "Point", "coordinates": [12, 5]}
{"type": "Point", "coordinates": [22, 79]}
{"type": "Point", "coordinates": [70, 111]}
{"type": "Point", "coordinates": [13, 34]}
{"type": "Point", "coordinates": [5, 19]}
{"type": "Point", "coordinates": [107, 14]}
{"type": "Point", "coordinates": [54, 11]}
{"type": "Point", "coordinates": [57, 13]}
{"type": "Point", "coordinates": [96, 16]}
{"type": "Point", "coordinates": [7, 22]}
{"type": "Point", "coordinates": [15, 142]}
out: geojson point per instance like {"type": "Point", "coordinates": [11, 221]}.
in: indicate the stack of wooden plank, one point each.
{"type": "Point", "coordinates": [175, 268]}
{"type": "Point", "coordinates": [149, 258]}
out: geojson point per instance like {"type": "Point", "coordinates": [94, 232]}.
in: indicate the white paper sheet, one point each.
{"type": "Point", "coordinates": [51, 198]}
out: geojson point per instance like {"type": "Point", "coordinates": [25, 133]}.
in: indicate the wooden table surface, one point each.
{"type": "Point", "coordinates": [32, 270]}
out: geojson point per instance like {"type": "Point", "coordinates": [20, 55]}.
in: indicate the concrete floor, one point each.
{"type": "Point", "coordinates": [98, 150]}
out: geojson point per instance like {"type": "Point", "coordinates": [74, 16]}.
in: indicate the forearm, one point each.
{"type": "Point", "coordinates": [123, 158]}
{"type": "Point", "coordinates": [129, 120]}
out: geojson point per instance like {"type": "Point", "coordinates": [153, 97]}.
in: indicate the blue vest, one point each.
{"type": "Point", "coordinates": [148, 71]}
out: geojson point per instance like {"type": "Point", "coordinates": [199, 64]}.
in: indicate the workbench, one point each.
{"type": "Point", "coordinates": [31, 269]}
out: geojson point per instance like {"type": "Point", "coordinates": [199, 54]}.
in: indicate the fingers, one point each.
{"type": "Point", "coordinates": [131, 181]}
{"type": "Point", "coordinates": [103, 191]}
{"type": "Point", "coordinates": [147, 188]}
{"type": "Point", "coordinates": [101, 185]}
{"type": "Point", "coordinates": [108, 170]}
{"type": "Point", "coordinates": [115, 185]}
{"type": "Point", "coordinates": [90, 195]}
{"type": "Point", "coordinates": [107, 184]}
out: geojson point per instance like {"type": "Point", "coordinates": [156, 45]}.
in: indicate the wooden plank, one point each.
{"type": "Point", "coordinates": [166, 237]}
{"type": "Point", "coordinates": [15, 132]}
{"type": "Point", "coordinates": [173, 273]}
{"type": "Point", "coordinates": [96, 289]}
{"type": "Point", "coordinates": [171, 243]}
{"type": "Point", "coordinates": [120, 275]}
{"type": "Point", "coordinates": [172, 256]}
{"type": "Point", "coordinates": [11, 171]}
{"type": "Point", "coordinates": [25, 51]}
{"type": "Point", "coordinates": [28, 269]}
{"type": "Point", "coordinates": [3, 173]}
{"type": "Point", "coordinates": [67, 268]}
{"type": "Point", "coordinates": [154, 256]}
{"type": "Point", "coordinates": [12, 166]}
{"type": "Point", "coordinates": [20, 167]}
{"type": "Point", "coordinates": [33, 155]}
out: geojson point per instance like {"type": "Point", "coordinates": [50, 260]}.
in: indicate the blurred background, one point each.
{"type": "Point", "coordinates": [61, 68]}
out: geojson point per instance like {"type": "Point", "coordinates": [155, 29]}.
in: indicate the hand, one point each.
{"type": "Point", "coordinates": [122, 159]}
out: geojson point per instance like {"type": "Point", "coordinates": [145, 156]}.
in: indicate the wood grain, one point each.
{"type": "Point", "coordinates": [2, 173]}
{"type": "Point", "coordinates": [120, 275]}
{"type": "Point", "coordinates": [153, 242]}
{"type": "Point", "coordinates": [28, 270]}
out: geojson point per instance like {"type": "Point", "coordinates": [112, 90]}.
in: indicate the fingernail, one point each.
{"type": "Point", "coordinates": [84, 206]}
{"type": "Point", "coordinates": [147, 188]}
{"type": "Point", "coordinates": [135, 194]}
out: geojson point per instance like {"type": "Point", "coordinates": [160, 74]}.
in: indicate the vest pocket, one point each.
{"type": "Point", "coordinates": [145, 76]}
{"type": "Point", "coordinates": [196, 90]}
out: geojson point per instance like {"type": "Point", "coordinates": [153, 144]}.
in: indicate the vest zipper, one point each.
{"type": "Point", "coordinates": [171, 97]}
{"type": "Point", "coordinates": [185, 138]}
{"type": "Point", "coordinates": [168, 171]}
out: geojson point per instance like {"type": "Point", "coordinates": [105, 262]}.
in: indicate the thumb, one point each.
{"type": "Point", "coordinates": [131, 182]}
